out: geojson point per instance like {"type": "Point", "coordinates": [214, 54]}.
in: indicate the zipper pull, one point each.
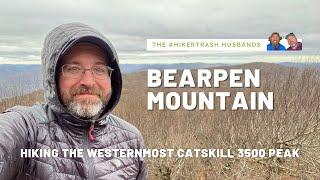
{"type": "Point", "coordinates": [91, 131]}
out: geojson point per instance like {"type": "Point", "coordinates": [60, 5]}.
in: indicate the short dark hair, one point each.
{"type": "Point", "coordinates": [290, 34]}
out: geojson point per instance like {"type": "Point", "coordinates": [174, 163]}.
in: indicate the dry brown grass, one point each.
{"type": "Point", "coordinates": [24, 100]}
{"type": "Point", "coordinates": [294, 123]}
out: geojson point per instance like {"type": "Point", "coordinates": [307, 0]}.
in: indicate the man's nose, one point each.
{"type": "Point", "coordinates": [87, 78]}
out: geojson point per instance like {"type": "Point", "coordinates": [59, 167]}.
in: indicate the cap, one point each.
{"type": "Point", "coordinates": [290, 34]}
{"type": "Point", "coordinates": [91, 40]}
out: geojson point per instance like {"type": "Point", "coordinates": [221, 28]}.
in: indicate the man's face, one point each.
{"type": "Point", "coordinates": [275, 39]}
{"type": "Point", "coordinates": [292, 41]}
{"type": "Point", "coordinates": [86, 95]}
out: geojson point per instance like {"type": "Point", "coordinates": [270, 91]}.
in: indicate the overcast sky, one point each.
{"type": "Point", "coordinates": [24, 23]}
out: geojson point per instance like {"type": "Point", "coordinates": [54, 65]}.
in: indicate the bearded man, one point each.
{"type": "Point", "coordinates": [82, 85]}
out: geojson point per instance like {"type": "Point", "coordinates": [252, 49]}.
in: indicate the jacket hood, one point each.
{"type": "Point", "coordinates": [60, 40]}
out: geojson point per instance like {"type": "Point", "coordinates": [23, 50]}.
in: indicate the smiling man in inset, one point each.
{"type": "Point", "coordinates": [275, 45]}
{"type": "Point", "coordinates": [293, 42]}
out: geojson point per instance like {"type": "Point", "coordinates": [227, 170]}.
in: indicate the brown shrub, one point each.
{"type": "Point", "coordinates": [294, 123]}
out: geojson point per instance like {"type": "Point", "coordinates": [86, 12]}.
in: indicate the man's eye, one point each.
{"type": "Point", "coordinates": [73, 69]}
{"type": "Point", "coordinates": [100, 70]}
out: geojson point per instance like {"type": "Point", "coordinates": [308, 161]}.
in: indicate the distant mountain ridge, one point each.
{"type": "Point", "coordinates": [10, 70]}
{"type": "Point", "coordinates": [23, 78]}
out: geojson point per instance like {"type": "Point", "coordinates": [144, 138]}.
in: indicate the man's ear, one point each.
{"type": "Point", "coordinates": [58, 72]}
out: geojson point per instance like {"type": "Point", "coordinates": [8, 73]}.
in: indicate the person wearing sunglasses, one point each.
{"type": "Point", "coordinates": [293, 42]}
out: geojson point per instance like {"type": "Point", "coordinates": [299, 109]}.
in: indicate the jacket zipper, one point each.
{"type": "Point", "coordinates": [91, 132]}
{"type": "Point", "coordinates": [89, 136]}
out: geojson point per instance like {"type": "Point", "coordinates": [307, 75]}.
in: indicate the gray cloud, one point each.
{"type": "Point", "coordinates": [129, 23]}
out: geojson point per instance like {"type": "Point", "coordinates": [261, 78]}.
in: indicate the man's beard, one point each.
{"type": "Point", "coordinates": [293, 45]}
{"type": "Point", "coordinates": [86, 108]}
{"type": "Point", "coordinates": [275, 43]}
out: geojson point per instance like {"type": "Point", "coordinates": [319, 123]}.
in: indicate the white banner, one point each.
{"type": "Point", "coordinates": [210, 44]}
